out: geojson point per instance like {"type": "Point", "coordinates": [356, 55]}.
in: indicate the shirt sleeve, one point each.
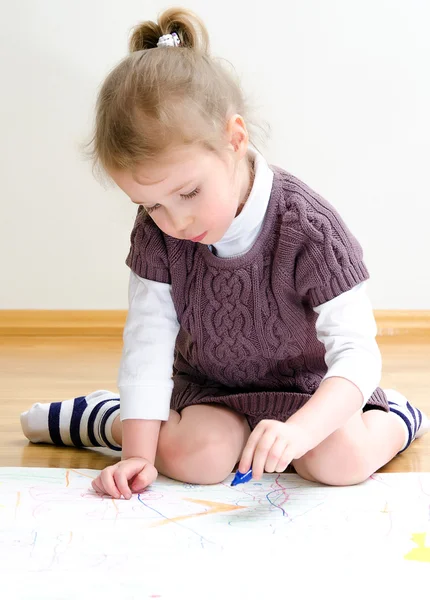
{"type": "Point", "coordinates": [145, 374]}
{"type": "Point", "coordinates": [347, 328]}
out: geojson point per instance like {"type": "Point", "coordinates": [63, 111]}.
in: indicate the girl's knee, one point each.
{"type": "Point", "coordinates": [341, 463]}
{"type": "Point", "coordinates": [200, 457]}
{"type": "Point", "coordinates": [333, 474]}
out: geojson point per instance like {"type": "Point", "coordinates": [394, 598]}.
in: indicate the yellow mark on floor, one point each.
{"type": "Point", "coordinates": [422, 553]}
{"type": "Point", "coordinates": [214, 507]}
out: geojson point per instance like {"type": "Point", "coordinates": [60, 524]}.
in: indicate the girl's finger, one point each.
{"type": "Point", "coordinates": [248, 451]}
{"type": "Point", "coordinates": [96, 487]}
{"type": "Point", "coordinates": [143, 479]}
{"type": "Point", "coordinates": [109, 484]}
{"type": "Point", "coordinates": [260, 455]}
{"type": "Point", "coordinates": [121, 482]}
{"type": "Point", "coordinates": [285, 460]}
{"type": "Point", "coordinates": [275, 454]}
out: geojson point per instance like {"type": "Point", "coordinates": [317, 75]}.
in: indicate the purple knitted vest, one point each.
{"type": "Point", "coordinates": [247, 324]}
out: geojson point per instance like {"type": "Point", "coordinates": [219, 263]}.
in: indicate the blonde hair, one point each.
{"type": "Point", "coordinates": [158, 97]}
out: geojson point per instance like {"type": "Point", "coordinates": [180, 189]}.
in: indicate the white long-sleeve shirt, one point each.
{"type": "Point", "coordinates": [345, 324]}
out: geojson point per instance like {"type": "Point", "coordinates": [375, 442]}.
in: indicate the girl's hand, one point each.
{"type": "Point", "coordinates": [124, 478]}
{"type": "Point", "coordinates": [272, 446]}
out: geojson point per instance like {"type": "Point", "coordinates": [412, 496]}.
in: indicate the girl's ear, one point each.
{"type": "Point", "coordinates": [237, 136]}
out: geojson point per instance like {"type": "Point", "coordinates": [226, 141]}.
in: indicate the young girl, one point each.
{"type": "Point", "coordinates": [243, 279]}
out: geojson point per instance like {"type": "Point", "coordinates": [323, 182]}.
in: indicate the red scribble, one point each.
{"type": "Point", "coordinates": [283, 488]}
{"type": "Point", "coordinates": [378, 479]}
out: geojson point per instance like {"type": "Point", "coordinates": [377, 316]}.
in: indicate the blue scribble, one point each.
{"type": "Point", "coordinates": [175, 522]}
{"type": "Point", "coordinates": [33, 544]}
{"type": "Point", "coordinates": [284, 514]}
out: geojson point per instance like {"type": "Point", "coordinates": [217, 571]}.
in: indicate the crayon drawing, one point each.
{"type": "Point", "coordinates": [53, 524]}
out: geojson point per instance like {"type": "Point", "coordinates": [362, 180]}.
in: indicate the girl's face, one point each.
{"type": "Point", "coordinates": [191, 193]}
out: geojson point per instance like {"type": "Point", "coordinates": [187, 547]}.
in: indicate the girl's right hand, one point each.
{"type": "Point", "coordinates": [124, 478]}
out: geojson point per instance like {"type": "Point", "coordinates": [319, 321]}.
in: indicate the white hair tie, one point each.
{"type": "Point", "coordinates": [170, 39]}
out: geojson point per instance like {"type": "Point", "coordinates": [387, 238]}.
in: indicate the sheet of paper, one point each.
{"type": "Point", "coordinates": [55, 529]}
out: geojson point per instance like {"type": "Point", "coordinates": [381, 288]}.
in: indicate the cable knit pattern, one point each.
{"type": "Point", "coordinates": [148, 249]}
{"type": "Point", "coordinates": [247, 337]}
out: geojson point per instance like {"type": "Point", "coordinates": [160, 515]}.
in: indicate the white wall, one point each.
{"type": "Point", "coordinates": [345, 86]}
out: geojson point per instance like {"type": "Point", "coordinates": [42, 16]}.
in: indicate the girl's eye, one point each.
{"type": "Point", "coordinates": [191, 194]}
{"type": "Point", "coordinates": [150, 209]}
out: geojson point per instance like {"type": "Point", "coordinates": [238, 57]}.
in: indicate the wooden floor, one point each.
{"type": "Point", "coordinates": [45, 369]}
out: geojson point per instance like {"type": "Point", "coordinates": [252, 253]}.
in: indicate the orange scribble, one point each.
{"type": "Point", "coordinates": [215, 507]}
{"type": "Point", "coordinates": [82, 474]}
{"type": "Point", "coordinates": [116, 508]}
{"type": "Point", "coordinates": [67, 479]}
{"type": "Point", "coordinates": [71, 537]}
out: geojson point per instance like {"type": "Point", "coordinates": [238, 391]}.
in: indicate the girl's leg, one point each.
{"type": "Point", "coordinates": [202, 444]}
{"type": "Point", "coordinates": [83, 422]}
{"type": "Point", "coordinates": [364, 444]}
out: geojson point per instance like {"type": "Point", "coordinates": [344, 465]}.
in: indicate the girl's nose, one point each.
{"type": "Point", "coordinates": [182, 225]}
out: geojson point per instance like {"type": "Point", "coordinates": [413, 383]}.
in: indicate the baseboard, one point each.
{"type": "Point", "coordinates": [111, 322]}
{"type": "Point", "coordinates": [403, 322]}
{"type": "Point", "coordinates": [62, 322]}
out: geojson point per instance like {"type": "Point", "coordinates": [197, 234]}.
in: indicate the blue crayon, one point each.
{"type": "Point", "coordinates": [241, 477]}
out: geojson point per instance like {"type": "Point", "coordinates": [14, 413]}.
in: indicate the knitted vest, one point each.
{"type": "Point", "coordinates": [247, 322]}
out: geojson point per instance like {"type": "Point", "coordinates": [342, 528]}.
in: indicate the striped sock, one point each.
{"type": "Point", "coordinates": [414, 421]}
{"type": "Point", "coordinates": [83, 422]}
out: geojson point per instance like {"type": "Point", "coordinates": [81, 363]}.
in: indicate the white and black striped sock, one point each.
{"type": "Point", "coordinates": [414, 421]}
{"type": "Point", "coordinates": [85, 421]}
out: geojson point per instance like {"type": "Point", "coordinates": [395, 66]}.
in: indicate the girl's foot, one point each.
{"type": "Point", "coordinates": [83, 422]}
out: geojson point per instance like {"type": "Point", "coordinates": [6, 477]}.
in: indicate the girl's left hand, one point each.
{"type": "Point", "coordinates": [272, 446]}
